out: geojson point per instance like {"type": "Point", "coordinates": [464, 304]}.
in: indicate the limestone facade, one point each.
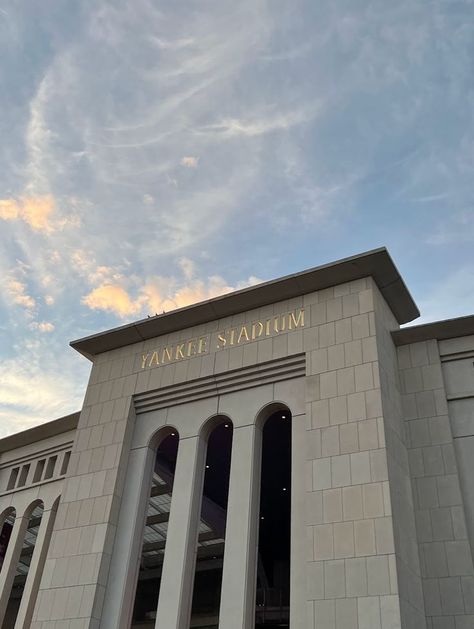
{"type": "Point", "coordinates": [382, 476]}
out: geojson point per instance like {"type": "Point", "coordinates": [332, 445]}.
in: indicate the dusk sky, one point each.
{"type": "Point", "coordinates": [154, 154]}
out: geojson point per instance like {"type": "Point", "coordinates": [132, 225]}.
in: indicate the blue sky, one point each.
{"type": "Point", "coordinates": [154, 154]}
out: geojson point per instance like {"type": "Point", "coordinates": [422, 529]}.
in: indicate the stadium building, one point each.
{"type": "Point", "coordinates": [281, 456]}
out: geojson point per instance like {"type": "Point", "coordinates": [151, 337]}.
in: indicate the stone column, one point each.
{"type": "Point", "coordinates": [10, 563]}
{"type": "Point", "coordinates": [35, 572]}
{"type": "Point", "coordinates": [174, 604]}
{"type": "Point", "coordinates": [298, 608]}
{"type": "Point", "coordinates": [237, 610]}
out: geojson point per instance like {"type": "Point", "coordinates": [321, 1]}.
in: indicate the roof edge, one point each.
{"type": "Point", "coordinates": [375, 263]}
{"type": "Point", "coordinates": [439, 330]}
{"type": "Point", "coordinates": [38, 433]}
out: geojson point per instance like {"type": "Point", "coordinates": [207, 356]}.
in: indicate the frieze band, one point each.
{"type": "Point", "coordinates": [238, 335]}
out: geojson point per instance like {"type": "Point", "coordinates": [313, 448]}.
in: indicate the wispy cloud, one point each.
{"type": "Point", "coordinates": [42, 326]}
{"type": "Point", "coordinates": [155, 155]}
{"type": "Point", "coordinates": [32, 393]}
{"type": "Point", "coordinates": [17, 292]}
{"type": "Point", "coordinates": [235, 127]}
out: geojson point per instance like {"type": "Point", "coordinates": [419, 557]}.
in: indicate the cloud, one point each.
{"type": "Point", "coordinates": [38, 212]}
{"type": "Point", "coordinates": [189, 162]}
{"type": "Point", "coordinates": [188, 267]}
{"type": "Point", "coordinates": [298, 120]}
{"type": "Point", "coordinates": [155, 301]}
{"type": "Point", "coordinates": [111, 298]}
{"type": "Point", "coordinates": [32, 394]}
{"type": "Point", "coordinates": [159, 294]}
{"type": "Point", "coordinates": [34, 211]}
{"type": "Point", "coordinates": [281, 121]}
{"type": "Point", "coordinates": [17, 291]}
{"type": "Point", "coordinates": [86, 265]}
{"type": "Point", "coordinates": [42, 326]}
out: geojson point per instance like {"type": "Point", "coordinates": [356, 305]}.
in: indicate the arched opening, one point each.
{"type": "Point", "coordinates": [212, 525]}
{"type": "Point", "coordinates": [8, 519]}
{"type": "Point", "coordinates": [273, 567]}
{"type": "Point", "coordinates": [23, 565]}
{"type": "Point", "coordinates": [155, 532]}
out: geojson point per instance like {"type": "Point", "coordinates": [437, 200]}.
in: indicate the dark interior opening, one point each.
{"type": "Point", "coordinates": [273, 569]}
{"type": "Point", "coordinates": [212, 524]}
{"type": "Point", "coordinates": [154, 540]}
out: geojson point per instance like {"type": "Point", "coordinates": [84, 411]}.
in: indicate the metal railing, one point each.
{"type": "Point", "coordinates": [272, 607]}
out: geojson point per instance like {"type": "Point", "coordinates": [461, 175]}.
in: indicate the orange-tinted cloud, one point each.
{"type": "Point", "coordinates": [35, 211]}
{"type": "Point", "coordinates": [9, 209]}
{"type": "Point", "coordinates": [157, 295]}
{"type": "Point", "coordinates": [113, 298]}
{"type": "Point", "coordinates": [154, 301]}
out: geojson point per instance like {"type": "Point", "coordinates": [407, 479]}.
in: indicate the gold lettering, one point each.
{"type": "Point", "coordinates": [144, 359]}
{"type": "Point", "coordinates": [154, 359]}
{"type": "Point", "coordinates": [283, 323]}
{"type": "Point", "coordinates": [256, 334]}
{"type": "Point", "coordinates": [232, 334]}
{"type": "Point", "coordinates": [202, 347]}
{"type": "Point", "coordinates": [191, 348]}
{"type": "Point", "coordinates": [267, 327]}
{"type": "Point", "coordinates": [243, 333]}
{"type": "Point", "coordinates": [221, 339]}
{"type": "Point", "coordinates": [275, 325]}
{"type": "Point", "coordinates": [293, 321]}
{"type": "Point", "coordinates": [179, 351]}
{"type": "Point", "coordinates": [167, 354]}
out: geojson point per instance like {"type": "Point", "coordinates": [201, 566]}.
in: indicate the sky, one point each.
{"type": "Point", "coordinates": [155, 153]}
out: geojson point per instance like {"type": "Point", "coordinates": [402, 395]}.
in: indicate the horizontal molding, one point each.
{"type": "Point", "coordinates": [460, 396]}
{"type": "Point", "coordinates": [33, 457]}
{"type": "Point", "coordinates": [227, 382]}
{"type": "Point", "coordinates": [47, 481]}
{"type": "Point", "coordinates": [464, 355]}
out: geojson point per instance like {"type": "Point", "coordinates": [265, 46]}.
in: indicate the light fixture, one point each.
{"type": "Point", "coordinates": [262, 518]}
{"type": "Point", "coordinates": [226, 425]}
{"type": "Point", "coordinates": [283, 416]}
{"type": "Point", "coordinates": [173, 434]}
{"type": "Point", "coordinates": [284, 488]}
{"type": "Point", "coordinates": [207, 467]}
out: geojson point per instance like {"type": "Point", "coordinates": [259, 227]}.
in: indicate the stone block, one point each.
{"type": "Point", "coordinates": [334, 579]}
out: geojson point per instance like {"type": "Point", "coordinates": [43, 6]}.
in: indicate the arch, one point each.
{"type": "Point", "coordinates": [160, 435]}
{"type": "Point", "coordinates": [7, 513]}
{"type": "Point", "coordinates": [274, 513]}
{"type": "Point", "coordinates": [267, 410]}
{"type": "Point", "coordinates": [216, 434]}
{"type": "Point", "coordinates": [7, 519]}
{"type": "Point", "coordinates": [42, 518]}
{"type": "Point", "coordinates": [32, 506]}
{"type": "Point", "coordinates": [24, 550]}
{"type": "Point", "coordinates": [211, 423]}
